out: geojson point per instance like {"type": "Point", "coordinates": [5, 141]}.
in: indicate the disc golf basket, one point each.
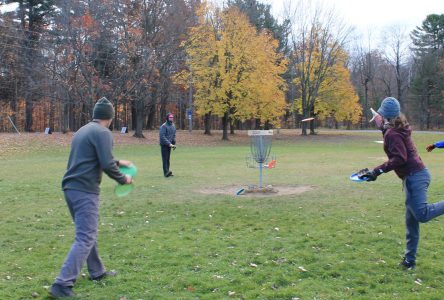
{"type": "Point", "coordinates": [260, 148]}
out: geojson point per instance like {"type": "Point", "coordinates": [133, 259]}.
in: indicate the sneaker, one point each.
{"type": "Point", "coordinates": [111, 273]}
{"type": "Point", "coordinates": [169, 174]}
{"type": "Point", "coordinates": [408, 265]}
{"type": "Point", "coordinates": [60, 291]}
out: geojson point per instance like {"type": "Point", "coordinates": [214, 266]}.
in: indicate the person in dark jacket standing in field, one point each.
{"type": "Point", "coordinates": [405, 161]}
{"type": "Point", "coordinates": [167, 139]}
{"type": "Point", "coordinates": [90, 156]}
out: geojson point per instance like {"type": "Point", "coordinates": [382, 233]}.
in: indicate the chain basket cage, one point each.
{"type": "Point", "coordinates": [260, 144]}
{"type": "Point", "coordinates": [260, 148]}
{"type": "Point", "coordinates": [267, 164]}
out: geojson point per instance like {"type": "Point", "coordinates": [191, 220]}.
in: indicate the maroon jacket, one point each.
{"type": "Point", "coordinates": [401, 152]}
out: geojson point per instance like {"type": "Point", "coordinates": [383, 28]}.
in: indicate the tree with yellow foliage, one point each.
{"type": "Point", "coordinates": [336, 96]}
{"type": "Point", "coordinates": [234, 70]}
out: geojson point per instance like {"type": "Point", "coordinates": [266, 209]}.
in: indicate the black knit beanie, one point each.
{"type": "Point", "coordinates": [103, 110]}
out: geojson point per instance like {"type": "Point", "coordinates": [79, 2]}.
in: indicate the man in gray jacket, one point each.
{"type": "Point", "coordinates": [90, 156]}
{"type": "Point", "coordinates": [167, 137]}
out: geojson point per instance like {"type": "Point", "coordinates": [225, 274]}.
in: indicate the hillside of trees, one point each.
{"type": "Point", "coordinates": [231, 67]}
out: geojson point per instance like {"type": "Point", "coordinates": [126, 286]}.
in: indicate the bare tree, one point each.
{"type": "Point", "coordinates": [396, 48]}
{"type": "Point", "coordinates": [363, 66]}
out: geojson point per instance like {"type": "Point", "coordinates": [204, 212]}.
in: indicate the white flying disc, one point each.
{"type": "Point", "coordinates": [354, 177]}
{"type": "Point", "coordinates": [307, 119]}
{"type": "Point", "coordinates": [374, 114]}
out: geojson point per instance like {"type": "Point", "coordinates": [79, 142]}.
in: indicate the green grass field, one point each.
{"type": "Point", "coordinates": [167, 240]}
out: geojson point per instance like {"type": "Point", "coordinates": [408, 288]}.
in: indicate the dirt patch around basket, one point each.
{"type": "Point", "coordinates": [268, 191]}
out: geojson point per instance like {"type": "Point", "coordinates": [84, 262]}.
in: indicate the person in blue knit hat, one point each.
{"type": "Point", "coordinates": [390, 108]}
{"type": "Point", "coordinates": [405, 161]}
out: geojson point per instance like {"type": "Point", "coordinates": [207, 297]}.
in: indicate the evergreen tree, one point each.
{"type": "Point", "coordinates": [427, 85]}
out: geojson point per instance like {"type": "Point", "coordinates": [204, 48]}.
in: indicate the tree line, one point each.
{"type": "Point", "coordinates": [230, 67]}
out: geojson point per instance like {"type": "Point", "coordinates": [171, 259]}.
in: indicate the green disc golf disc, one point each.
{"type": "Point", "coordinates": [131, 170]}
{"type": "Point", "coordinates": [122, 190]}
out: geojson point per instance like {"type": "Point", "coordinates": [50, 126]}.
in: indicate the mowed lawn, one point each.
{"type": "Point", "coordinates": [168, 240]}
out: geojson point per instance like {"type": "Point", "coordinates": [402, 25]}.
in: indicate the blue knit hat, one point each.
{"type": "Point", "coordinates": [389, 108]}
{"type": "Point", "coordinates": [103, 110]}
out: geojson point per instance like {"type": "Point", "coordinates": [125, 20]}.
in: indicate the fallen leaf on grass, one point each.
{"type": "Point", "coordinates": [381, 261]}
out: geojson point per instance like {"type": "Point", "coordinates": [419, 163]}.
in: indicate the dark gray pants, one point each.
{"type": "Point", "coordinates": [166, 153]}
{"type": "Point", "coordinates": [84, 209]}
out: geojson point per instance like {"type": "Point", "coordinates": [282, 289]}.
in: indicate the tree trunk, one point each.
{"type": "Point", "coordinates": [139, 118]}
{"type": "Point", "coordinates": [72, 118]}
{"type": "Point", "coordinates": [305, 113]}
{"type": "Point", "coordinates": [84, 116]}
{"type": "Point", "coordinates": [151, 117]}
{"type": "Point", "coordinates": [304, 128]}
{"type": "Point", "coordinates": [133, 114]}
{"type": "Point", "coordinates": [28, 115]}
{"type": "Point", "coordinates": [231, 119]}
{"type": "Point", "coordinates": [117, 123]}
{"type": "Point", "coordinates": [312, 123]}
{"type": "Point", "coordinates": [366, 104]}
{"type": "Point", "coordinates": [162, 112]}
{"type": "Point", "coordinates": [225, 127]}
{"type": "Point", "coordinates": [125, 113]}
{"type": "Point", "coordinates": [65, 119]}
{"type": "Point", "coordinates": [51, 114]}
{"type": "Point", "coordinates": [13, 106]}
{"type": "Point", "coordinates": [207, 124]}
{"type": "Point", "coordinates": [231, 127]}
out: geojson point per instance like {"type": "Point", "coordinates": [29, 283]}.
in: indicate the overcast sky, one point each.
{"type": "Point", "coordinates": [364, 14]}
{"type": "Point", "coordinates": [7, 7]}
{"type": "Point", "coordinates": [376, 14]}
